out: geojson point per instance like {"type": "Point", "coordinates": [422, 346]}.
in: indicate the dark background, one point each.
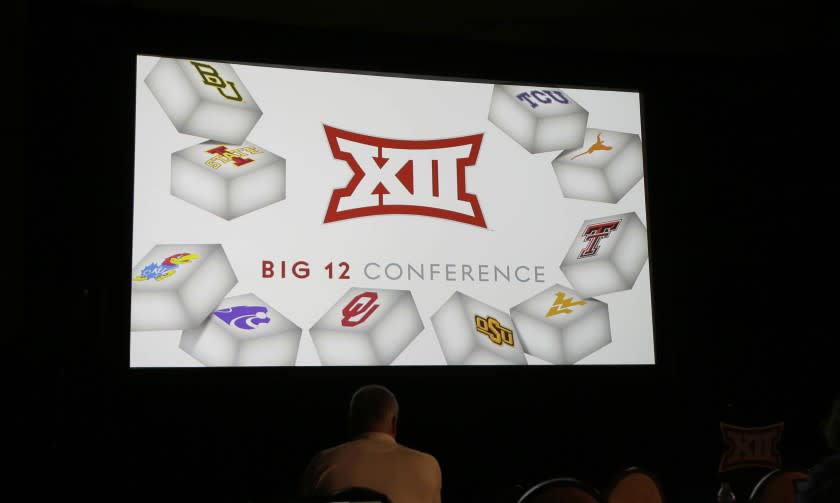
{"type": "Point", "coordinates": [739, 130]}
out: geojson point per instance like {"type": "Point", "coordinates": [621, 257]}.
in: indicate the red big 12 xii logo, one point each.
{"type": "Point", "coordinates": [408, 177]}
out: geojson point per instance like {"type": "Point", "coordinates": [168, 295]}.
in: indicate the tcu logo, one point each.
{"type": "Point", "coordinates": [211, 77]}
{"type": "Point", "coordinates": [359, 309]}
{"type": "Point", "coordinates": [594, 233]}
{"type": "Point", "coordinates": [404, 177]}
{"type": "Point", "coordinates": [546, 97]}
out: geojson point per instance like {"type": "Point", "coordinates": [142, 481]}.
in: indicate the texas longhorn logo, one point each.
{"type": "Point", "coordinates": [404, 177]}
{"type": "Point", "coordinates": [358, 310]}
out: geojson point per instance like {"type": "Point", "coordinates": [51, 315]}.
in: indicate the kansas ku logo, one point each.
{"type": "Point", "coordinates": [166, 268]}
{"type": "Point", "coordinates": [405, 177]}
{"type": "Point", "coordinates": [595, 233]}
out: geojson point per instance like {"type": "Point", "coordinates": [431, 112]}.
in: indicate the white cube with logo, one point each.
{"type": "Point", "coordinates": [367, 327]}
{"type": "Point", "coordinates": [204, 98]}
{"type": "Point", "coordinates": [176, 286]}
{"type": "Point", "coordinates": [604, 169]}
{"type": "Point", "coordinates": [540, 119]}
{"type": "Point", "coordinates": [607, 254]}
{"type": "Point", "coordinates": [243, 331]}
{"type": "Point", "coordinates": [471, 332]}
{"type": "Point", "coordinates": [228, 180]}
{"type": "Point", "coordinates": [561, 327]}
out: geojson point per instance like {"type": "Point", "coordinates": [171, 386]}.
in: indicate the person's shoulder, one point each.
{"type": "Point", "coordinates": [830, 464]}
{"type": "Point", "coordinates": [331, 451]}
{"type": "Point", "coordinates": [420, 457]}
{"type": "Point", "coordinates": [823, 483]}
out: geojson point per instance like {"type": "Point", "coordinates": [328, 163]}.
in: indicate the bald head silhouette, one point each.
{"type": "Point", "coordinates": [373, 408]}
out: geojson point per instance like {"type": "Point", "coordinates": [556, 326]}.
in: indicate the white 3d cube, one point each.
{"type": "Point", "coordinates": [175, 287]}
{"type": "Point", "coordinates": [560, 327]}
{"type": "Point", "coordinates": [473, 333]}
{"type": "Point", "coordinates": [243, 331]}
{"type": "Point", "coordinates": [607, 255]}
{"type": "Point", "coordinates": [539, 119]}
{"type": "Point", "coordinates": [604, 169]}
{"type": "Point", "coordinates": [228, 180]}
{"type": "Point", "coordinates": [367, 327]}
{"type": "Point", "coordinates": [204, 99]}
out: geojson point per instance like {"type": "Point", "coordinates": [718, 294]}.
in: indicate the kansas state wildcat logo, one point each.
{"type": "Point", "coordinates": [244, 317]}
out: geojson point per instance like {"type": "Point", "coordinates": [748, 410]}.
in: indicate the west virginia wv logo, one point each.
{"type": "Point", "coordinates": [563, 304]}
{"type": "Point", "coordinates": [244, 317]}
{"type": "Point", "coordinates": [166, 268]}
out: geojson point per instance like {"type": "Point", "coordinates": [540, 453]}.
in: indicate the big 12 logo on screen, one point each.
{"type": "Point", "coordinates": [408, 177]}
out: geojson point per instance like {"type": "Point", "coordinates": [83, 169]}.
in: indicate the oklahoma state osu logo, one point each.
{"type": "Point", "coordinates": [404, 177]}
{"type": "Point", "coordinates": [492, 328]}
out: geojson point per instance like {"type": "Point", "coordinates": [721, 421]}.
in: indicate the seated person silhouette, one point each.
{"type": "Point", "coordinates": [823, 483]}
{"type": "Point", "coordinates": [373, 459]}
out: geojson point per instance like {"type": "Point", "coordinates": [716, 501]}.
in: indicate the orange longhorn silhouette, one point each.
{"type": "Point", "coordinates": [598, 145]}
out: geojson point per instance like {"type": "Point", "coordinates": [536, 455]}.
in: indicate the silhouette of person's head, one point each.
{"type": "Point", "coordinates": [373, 408]}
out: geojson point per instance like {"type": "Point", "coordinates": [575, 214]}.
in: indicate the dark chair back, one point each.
{"type": "Point", "coordinates": [634, 485]}
{"type": "Point", "coordinates": [561, 490]}
{"type": "Point", "coordinates": [778, 486]}
{"type": "Point", "coordinates": [359, 495]}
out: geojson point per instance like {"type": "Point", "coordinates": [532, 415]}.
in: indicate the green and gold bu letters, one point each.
{"type": "Point", "coordinates": [210, 76]}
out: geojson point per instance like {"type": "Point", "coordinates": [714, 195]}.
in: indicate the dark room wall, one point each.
{"type": "Point", "coordinates": [738, 129]}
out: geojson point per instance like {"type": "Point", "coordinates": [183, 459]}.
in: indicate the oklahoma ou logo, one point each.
{"type": "Point", "coordinates": [405, 177]}
{"type": "Point", "coordinates": [359, 309]}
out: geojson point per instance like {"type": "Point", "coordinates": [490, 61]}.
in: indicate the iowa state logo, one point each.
{"type": "Point", "coordinates": [404, 177]}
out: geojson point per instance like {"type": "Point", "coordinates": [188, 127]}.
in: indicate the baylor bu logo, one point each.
{"type": "Point", "coordinates": [406, 177]}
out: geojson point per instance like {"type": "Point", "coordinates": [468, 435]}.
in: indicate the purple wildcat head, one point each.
{"type": "Point", "coordinates": [244, 317]}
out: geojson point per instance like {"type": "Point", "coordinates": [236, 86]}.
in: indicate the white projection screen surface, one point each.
{"type": "Point", "coordinates": [289, 217]}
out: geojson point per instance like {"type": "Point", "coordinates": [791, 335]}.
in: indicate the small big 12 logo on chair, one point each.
{"type": "Point", "coordinates": [751, 446]}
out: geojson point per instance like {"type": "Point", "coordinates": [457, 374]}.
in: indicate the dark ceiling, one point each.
{"type": "Point", "coordinates": [614, 25]}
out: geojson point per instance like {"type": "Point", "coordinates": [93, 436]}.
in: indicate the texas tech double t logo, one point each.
{"type": "Point", "coordinates": [408, 177]}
